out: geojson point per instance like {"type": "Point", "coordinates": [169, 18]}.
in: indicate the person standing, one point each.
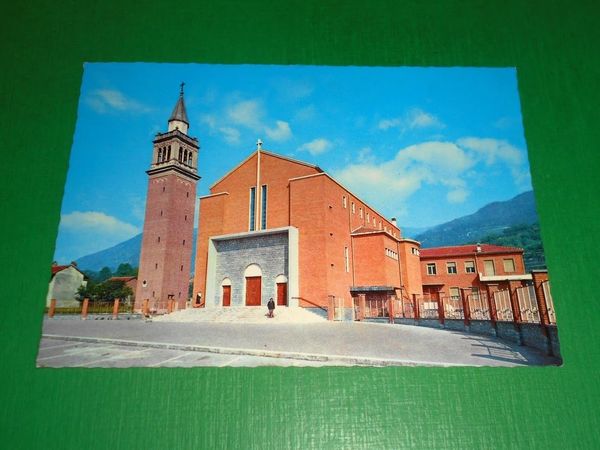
{"type": "Point", "coordinates": [271, 307]}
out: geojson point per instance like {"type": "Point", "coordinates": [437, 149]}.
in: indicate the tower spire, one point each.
{"type": "Point", "coordinates": [179, 119]}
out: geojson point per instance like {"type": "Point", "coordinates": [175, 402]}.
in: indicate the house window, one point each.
{"type": "Point", "coordinates": [489, 268]}
{"type": "Point", "coordinates": [353, 208]}
{"type": "Point", "coordinates": [454, 293]}
{"type": "Point", "coordinates": [346, 259]}
{"type": "Point", "coordinates": [263, 199]}
{"type": "Point", "coordinates": [252, 207]}
{"type": "Point", "coordinates": [344, 202]}
{"type": "Point", "coordinates": [431, 269]}
{"type": "Point", "coordinates": [469, 266]}
{"type": "Point", "coordinates": [451, 267]}
{"type": "Point", "coordinates": [474, 293]}
{"type": "Point", "coordinates": [509, 265]}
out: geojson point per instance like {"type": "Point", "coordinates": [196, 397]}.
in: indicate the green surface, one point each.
{"type": "Point", "coordinates": [554, 46]}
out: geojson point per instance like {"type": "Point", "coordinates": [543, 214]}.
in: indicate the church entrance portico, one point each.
{"type": "Point", "coordinates": [257, 265]}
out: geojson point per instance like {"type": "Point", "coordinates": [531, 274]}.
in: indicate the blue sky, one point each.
{"type": "Point", "coordinates": [424, 145]}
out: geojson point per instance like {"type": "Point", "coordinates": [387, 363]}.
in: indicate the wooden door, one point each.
{"type": "Point", "coordinates": [253, 294]}
{"type": "Point", "coordinates": [282, 294]}
{"type": "Point", "coordinates": [226, 295]}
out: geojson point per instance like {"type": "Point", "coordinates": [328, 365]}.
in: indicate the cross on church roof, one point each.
{"type": "Point", "coordinates": [259, 144]}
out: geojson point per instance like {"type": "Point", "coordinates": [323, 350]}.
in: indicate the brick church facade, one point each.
{"type": "Point", "coordinates": [282, 228]}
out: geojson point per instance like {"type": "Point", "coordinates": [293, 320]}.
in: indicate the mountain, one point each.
{"type": "Point", "coordinates": [411, 232]}
{"type": "Point", "coordinates": [492, 219]}
{"type": "Point", "coordinates": [126, 252]}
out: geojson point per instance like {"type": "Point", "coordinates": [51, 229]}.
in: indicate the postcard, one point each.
{"type": "Point", "coordinates": [260, 215]}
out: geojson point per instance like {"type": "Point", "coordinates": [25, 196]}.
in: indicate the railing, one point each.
{"type": "Point", "coordinates": [453, 308]}
{"type": "Point", "coordinates": [503, 306]}
{"type": "Point", "coordinates": [478, 306]}
{"type": "Point", "coordinates": [528, 304]}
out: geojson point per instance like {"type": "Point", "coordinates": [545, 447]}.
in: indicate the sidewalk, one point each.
{"type": "Point", "coordinates": [363, 343]}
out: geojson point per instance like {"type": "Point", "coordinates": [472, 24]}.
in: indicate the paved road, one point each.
{"type": "Point", "coordinates": [125, 343]}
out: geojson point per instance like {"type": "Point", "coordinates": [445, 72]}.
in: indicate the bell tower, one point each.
{"type": "Point", "coordinates": [165, 258]}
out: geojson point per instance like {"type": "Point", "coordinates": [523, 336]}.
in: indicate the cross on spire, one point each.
{"type": "Point", "coordinates": [181, 88]}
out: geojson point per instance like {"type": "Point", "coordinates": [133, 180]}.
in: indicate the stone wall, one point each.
{"type": "Point", "coordinates": [270, 252]}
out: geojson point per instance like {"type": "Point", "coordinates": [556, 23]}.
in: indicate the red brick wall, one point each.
{"type": "Point", "coordinates": [462, 279]}
{"type": "Point", "coordinates": [411, 268]}
{"type": "Point", "coordinates": [173, 226]}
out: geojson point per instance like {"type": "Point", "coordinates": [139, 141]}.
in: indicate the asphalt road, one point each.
{"type": "Point", "coordinates": [129, 343]}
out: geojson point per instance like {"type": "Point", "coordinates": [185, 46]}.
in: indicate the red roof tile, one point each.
{"type": "Point", "coordinates": [122, 278]}
{"type": "Point", "coordinates": [467, 250]}
{"type": "Point", "coordinates": [56, 269]}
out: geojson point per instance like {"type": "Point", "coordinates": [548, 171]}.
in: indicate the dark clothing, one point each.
{"type": "Point", "coordinates": [271, 305]}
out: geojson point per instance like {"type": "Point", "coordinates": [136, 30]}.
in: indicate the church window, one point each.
{"type": "Point", "coordinates": [156, 265]}
{"type": "Point", "coordinates": [263, 198]}
{"type": "Point", "coordinates": [169, 153]}
{"type": "Point", "coordinates": [153, 292]}
{"type": "Point", "coordinates": [346, 259]}
{"type": "Point", "coordinates": [183, 242]}
{"type": "Point", "coordinates": [158, 239]}
{"type": "Point", "coordinates": [158, 156]}
{"type": "Point", "coordinates": [190, 159]}
{"type": "Point", "coordinates": [252, 207]}
{"type": "Point", "coordinates": [185, 218]}
{"type": "Point", "coordinates": [181, 268]}
{"type": "Point", "coordinates": [163, 189]}
{"type": "Point", "coordinates": [344, 202]}
{"type": "Point", "coordinates": [180, 153]}
{"type": "Point", "coordinates": [161, 213]}
{"type": "Point", "coordinates": [353, 208]}
{"type": "Point", "coordinates": [187, 194]}
{"type": "Point", "coordinates": [185, 156]}
{"type": "Point", "coordinates": [368, 218]}
{"type": "Point", "coordinates": [361, 212]}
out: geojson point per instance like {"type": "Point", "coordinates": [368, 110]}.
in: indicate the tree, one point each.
{"type": "Point", "coordinates": [125, 270]}
{"type": "Point", "coordinates": [104, 292]}
{"type": "Point", "coordinates": [104, 274]}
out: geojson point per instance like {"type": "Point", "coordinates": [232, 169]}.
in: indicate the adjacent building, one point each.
{"type": "Point", "coordinates": [476, 268]}
{"type": "Point", "coordinates": [64, 283]}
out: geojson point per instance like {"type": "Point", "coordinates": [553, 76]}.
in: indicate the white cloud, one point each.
{"type": "Point", "coordinates": [106, 100]}
{"type": "Point", "coordinates": [230, 134]}
{"type": "Point", "coordinates": [413, 119]}
{"type": "Point", "coordinates": [210, 120]}
{"type": "Point", "coordinates": [247, 113]}
{"type": "Point", "coordinates": [281, 132]}
{"type": "Point", "coordinates": [306, 113]}
{"type": "Point", "coordinates": [457, 195]}
{"type": "Point", "coordinates": [293, 89]}
{"type": "Point", "coordinates": [491, 151]}
{"type": "Point", "coordinates": [97, 222]}
{"type": "Point", "coordinates": [316, 146]}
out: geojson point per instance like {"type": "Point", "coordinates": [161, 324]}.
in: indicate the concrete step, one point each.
{"type": "Point", "coordinates": [242, 314]}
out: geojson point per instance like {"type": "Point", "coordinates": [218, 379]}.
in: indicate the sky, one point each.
{"type": "Point", "coordinates": [424, 145]}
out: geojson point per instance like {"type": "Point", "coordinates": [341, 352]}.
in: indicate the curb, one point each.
{"type": "Point", "coordinates": [345, 360]}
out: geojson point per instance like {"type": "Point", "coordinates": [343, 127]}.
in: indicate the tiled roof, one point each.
{"type": "Point", "coordinates": [467, 250]}
{"type": "Point", "coordinates": [179, 112]}
{"type": "Point", "coordinates": [56, 269]}
{"type": "Point", "coordinates": [122, 278]}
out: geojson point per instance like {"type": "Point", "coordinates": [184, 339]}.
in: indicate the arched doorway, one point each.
{"type": "Point", "coordinates": [282, 292]}
{"type": "Point", "coordinates": [253, 275]}
{"type": "Point", "coordinates": [226, 292]}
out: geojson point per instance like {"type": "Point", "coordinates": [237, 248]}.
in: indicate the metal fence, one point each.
{"type": "Point", "coordinates": [528, 304]}
{"type": "Point", "coordinates": [549, 302]}
{"type": "Point", "coordinates": [453, 307]}
{"type": "Point", "coordinates": [478, 304]}
{"type": "Point", "coordinates": [503, 306]}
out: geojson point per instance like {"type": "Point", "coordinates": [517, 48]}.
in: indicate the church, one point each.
{"type": "Point", "coordinates": [276, 227]}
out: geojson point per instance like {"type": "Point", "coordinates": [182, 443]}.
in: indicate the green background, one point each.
{"type": "Point", "coordinates": [554, 46]}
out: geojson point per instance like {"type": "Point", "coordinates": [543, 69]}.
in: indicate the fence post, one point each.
{"type": "Point", "coordinates": [440, 303]}
{"type": "Point", "coordinates": [362, 305]}
{"type": "Point", "coordinates": [516, 310]}
{"type": "Point", "coordinates": [417, 313]}
{"type": "Point", "coordinates": [391, 308]}
{"type": "Point", "coordinates": [145, 311]}
{"type": "Point", "coordinates": [52, 307]}
{"type": "Point", "coordinates": [540, 296]}
{"type": "Point", "coordinates": [115, 308]}
{"type": "Point", "coordinates": [466, 310]}
{"type": "Point", "coordinates": [492, 309]}
{"type": "Point", "coordinates": [330, 307]}
{"type": "Point", "coordinates": [84, 309]}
